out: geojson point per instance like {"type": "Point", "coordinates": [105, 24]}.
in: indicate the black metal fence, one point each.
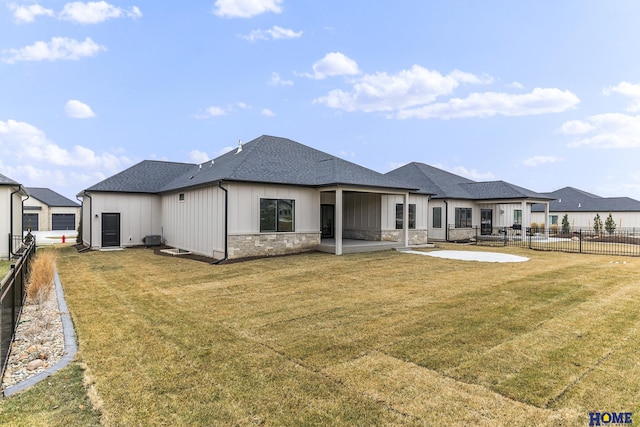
{"type": "Point", "coordinates": [625, 242]}
{"type": "Point", "coordinates": [12, 295]}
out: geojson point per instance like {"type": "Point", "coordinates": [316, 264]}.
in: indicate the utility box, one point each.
{"type": "Point", "coordinates": [152, 240]}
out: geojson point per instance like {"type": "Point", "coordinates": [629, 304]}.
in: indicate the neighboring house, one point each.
{"type": "Point", "coordinates": [11, 196]}
{"type": "Point", "coordinates": [47, 210]}
{"type": "Point", "coordinates": [581, 208]}
{"type": "Point", "coordinates": [461, 207]}
{"type": "Point", "coordinates": [270, 196]}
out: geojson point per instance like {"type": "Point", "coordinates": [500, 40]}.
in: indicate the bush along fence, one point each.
{"type": "Point", "coordinates": [12, 296]}
{"type": "Point", "coordinates": [625, 242]}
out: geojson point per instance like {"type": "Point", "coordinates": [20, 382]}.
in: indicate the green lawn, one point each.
{"type": "Point", "coordinates": [367, 339]}
{"type": "Point", "coordinates": [5, 266]}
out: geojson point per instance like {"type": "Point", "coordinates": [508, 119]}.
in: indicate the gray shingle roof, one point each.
{"type": "Point", "coordinates": [51, 198]}
{"type": "Point", "coordinates": [446, 185]}
{"type": "Point", "coordinates": [4, 180]}
{"type": "Point", "coordinates": [571, 199]}
{"type": "Point", "coordinates": [431, 180]}
{"type": "Point", "coordinates": [148, 176]}
{"type": "Point", "coordinates": [266, 159]}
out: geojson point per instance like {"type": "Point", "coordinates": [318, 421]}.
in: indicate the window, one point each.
{"type": "Point", "coordinates": [437, 217]}
{"type": "Point", "coordinates": [463, 218]}
{"type": "Point", "coordinates": [400, 216]}
{"type": "Point", "coordinates": [181, 197]}
{"type": "Point", "coordinates": [517, 217]}
{"type": "Point", "coordinates": [554, 219]}
{"type": "Point", "coordinates": [277, 215]}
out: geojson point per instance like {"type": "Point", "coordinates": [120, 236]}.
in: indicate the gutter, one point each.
{"type": "Point", "coordinates": [226, 225]}
{"type": "Point", "coordinates": [85, 194]}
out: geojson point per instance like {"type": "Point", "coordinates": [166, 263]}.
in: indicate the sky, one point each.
{"type": "Point", "coordinates": [541, 94]}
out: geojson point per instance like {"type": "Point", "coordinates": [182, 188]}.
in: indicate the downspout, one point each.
{"type": "Point", "coordinates": [20, 187]}
{"type": "Point", "coordinates": [85, 194]}
{"type": "Point", "coordinates": [226, 225]}
{"type": "Point", "coordinates": [446, 220]}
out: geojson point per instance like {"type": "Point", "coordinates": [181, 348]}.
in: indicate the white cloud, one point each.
{"type": "Point", "coordinates": [197, 156]}
{"type": "Point", "coordinates": [215, 111]}
{"type": "Point", "coordinates": [95, 12]}
{"type": "Point", "coordinates": [267, 113]}
{"type": "Point", "coordinates": [59, 48]}
{"type": "Point", "coordinates": [212, 112]}
{"type": "Point", "coordinates": [611, 130]}
{"type": "Point", "coordinates": [629, 90]}
{"type": "Point", "coordinates": [245, 8]}
{"type": "Point", "coordinates": [27, 14]}
{"type": "Point", "coordinates": [540, 160]}
{"type": "Point", "coordinates": [472, 173]}
{"type": "Point", "coordinates": [78, 110]}
{"type": "Point", "coordinates": [488, 104]}
{"type": "Point", "coordinates": [408, 88]}
{"type": "Point", "coordinates": [36, 157]}
{"type": "Point", "coordinates": [575, 127]}
{"type": "Point", "coordinates": [515, 85]}
{"type": "Point", "coordinates": [274, 33]}
{"type": "Point", "coordinates": [333, 64]}
{"type": "Point", "coordinates": [276, 80]}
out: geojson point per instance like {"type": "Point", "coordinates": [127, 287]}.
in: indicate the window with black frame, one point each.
{"type": "Point", "coordinates": [463, 218]}
{"type": "Point", "coordinates": [277, 215]}
{"type": "Point", "coordinates": [437, 217]}
{"type": "Point", "coordinates": [400, 216]}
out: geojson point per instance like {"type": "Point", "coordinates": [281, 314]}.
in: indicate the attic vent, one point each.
{"type": "Point", "coordinates": [559, 200]}
{"type": "Point", "coordinates": [239, 146]}
{"type": "Point", "coordinates": [579, 205]}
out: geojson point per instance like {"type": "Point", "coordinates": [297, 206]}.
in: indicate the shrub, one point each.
{"type": "Point", "coordinates": [41, 277]}
{"type": "Point", "coordinates": [565, 224]}
{"type": "Point", "coordinates": [610, 224]}
{"type": "Point", "coordinates": [597, 224]}
{"type": "Point", "coordinates": [554, 228]}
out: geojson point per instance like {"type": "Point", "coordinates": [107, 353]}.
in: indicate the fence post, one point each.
{"type": "Point", "coordinates": [580, 234]}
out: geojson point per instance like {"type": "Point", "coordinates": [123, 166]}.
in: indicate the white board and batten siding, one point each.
{"type": "Point", "coordinates": [196, 223]}
{"type": "Point", "coordinates": [244, 206]}
{"type": "Point", "coordinates": [139, 216]}
{"type": "Point", "coordinates": [389, 203]}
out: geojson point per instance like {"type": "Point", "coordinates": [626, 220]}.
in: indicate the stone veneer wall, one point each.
{"type": "Point", "coordinates": [461, 234]}
{"type": "Point", "coordinates": [416, 237]}
{"type": "Point", "coordinates": [248, 245]}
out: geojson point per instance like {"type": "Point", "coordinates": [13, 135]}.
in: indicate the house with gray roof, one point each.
{"type": "Point", "coordinates": [11, 196]}
{"type": "Point", "coordinates": [269, 196]}
{"type": "Point", "coordinates": [461, 207]}
{"type": "Point", "coordinates": [47, 210]}
{"type": "Point", "coordinates": [582, 207]}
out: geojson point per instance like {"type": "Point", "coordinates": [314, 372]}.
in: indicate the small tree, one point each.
{"type": "Point", "coordinates": [565, 224]}
{"type": "Point", "coordinates": [597, 224]}
{"type": "Point", "coordinates": [610, 224]}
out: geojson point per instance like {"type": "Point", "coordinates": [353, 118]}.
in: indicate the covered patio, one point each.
{"type": "Point", "coordinates": [352, 246]}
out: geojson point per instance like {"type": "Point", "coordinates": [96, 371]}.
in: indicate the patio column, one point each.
{"type": "Point", "coordinates": [526, 218]}
{"type": "Point", "coordinates": [405, 220]}
{"type": "Point", "coordinates": [338, 221]}
{"type": "Point", "coordinates": [547, 224]}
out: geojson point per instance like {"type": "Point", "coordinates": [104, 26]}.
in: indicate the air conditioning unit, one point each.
{"type": "Point", "coordinates": [152, 240]}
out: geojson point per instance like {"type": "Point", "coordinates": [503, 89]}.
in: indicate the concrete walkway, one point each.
{"type": "Point", "coordinates": [471, 256]}
{"type": "Point", "coordinates": [70, 346]}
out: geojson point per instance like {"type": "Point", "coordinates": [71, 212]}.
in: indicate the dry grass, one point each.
{"type": "Point", "coordinates": [367, 339]}
{"type": "Point", "coordinates": [41, 276]}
